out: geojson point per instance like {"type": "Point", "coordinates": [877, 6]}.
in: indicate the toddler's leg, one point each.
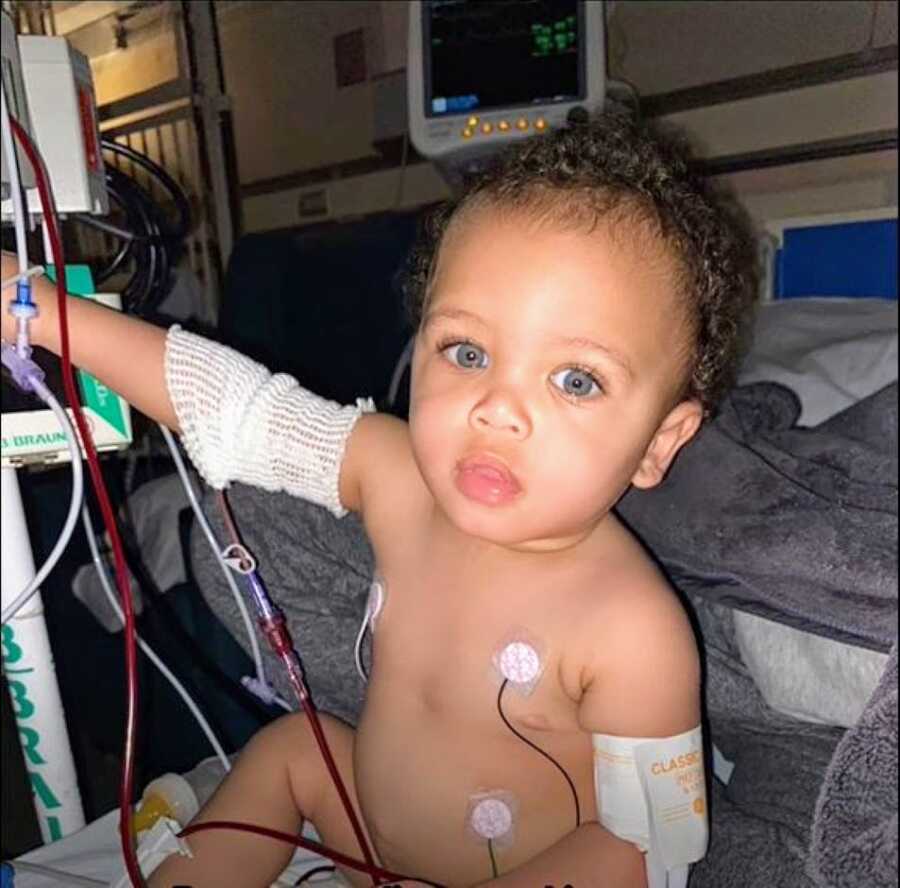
{"type": "Point", "coordinates": [278, 780]}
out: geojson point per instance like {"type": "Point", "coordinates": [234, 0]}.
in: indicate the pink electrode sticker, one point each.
{"type": "Point", "coordinates": [491, 818]}
{"type": "Point", "coordinates": [518, 660]}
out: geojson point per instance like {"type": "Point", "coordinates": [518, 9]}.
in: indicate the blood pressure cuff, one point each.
{"type": "Point", "coordinates": [652, 792]}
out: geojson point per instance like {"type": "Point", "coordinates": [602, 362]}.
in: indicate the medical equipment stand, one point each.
{"type": "Point", "coordinates": [31, 675]}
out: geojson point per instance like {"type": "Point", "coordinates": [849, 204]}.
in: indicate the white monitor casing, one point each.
{"type": "Point", "coordinates": [444, 139]}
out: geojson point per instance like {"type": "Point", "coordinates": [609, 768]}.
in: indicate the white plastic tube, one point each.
{"type": "Point", "coordinates": [29, 273]}
{"type": "Point", "coordinates": [72, 517]}
{"type": "Point", "coordinates": [9, 149]}
{"type": "Point", "coordinates": [151, 654]}
{"type": "Point", "coordinates": [357, 648]}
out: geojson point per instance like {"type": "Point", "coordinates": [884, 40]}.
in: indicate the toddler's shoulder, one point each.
{"type": "Point", "coordinates": [627, 584]}
{"type": "Point", "coordinates": [636, 643]}
{"type": "Point", "coordinates": [379, 469]}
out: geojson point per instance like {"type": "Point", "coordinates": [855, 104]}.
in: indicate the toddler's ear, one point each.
{"type": "Point", "coordinates": [679, 426]}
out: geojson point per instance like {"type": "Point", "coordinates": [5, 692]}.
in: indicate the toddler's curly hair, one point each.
{"type": "Point", "coordinates": [617, 170]}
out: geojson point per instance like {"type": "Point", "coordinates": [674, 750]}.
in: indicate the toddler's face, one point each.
{"type": "Point", "coordinates": [544, 378]}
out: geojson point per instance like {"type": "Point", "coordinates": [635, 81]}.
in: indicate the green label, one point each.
{"type": "Point", "coordinates": [23, 709]}
{"type": "Point", "coordinates": [44, 439]}
{"type": "Point", "coordinates": [104, 402]}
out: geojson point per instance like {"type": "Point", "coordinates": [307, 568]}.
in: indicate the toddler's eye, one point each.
{"type": "Point", "coordinates": [575, 382]}
{"type": "Point", "coordinates": [465, 355]}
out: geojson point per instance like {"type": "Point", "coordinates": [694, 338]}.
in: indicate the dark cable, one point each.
{"type": "Point", "coordinates": [151, 243]}
{"type": "Point", "coordinates": [315, 871]}
{"type": "Point", "coordinates": [181, 202]}
{"type": "Point", "coordinates": [125, 250]}
{"type": "Point", "coordinates": [139, 290]}
{"type": "Point", "coordinates": [102, 225]}
{"type": "Point", "coordinates": [536, 748]}
{"type": "Point", "coordinates": [494, 871]}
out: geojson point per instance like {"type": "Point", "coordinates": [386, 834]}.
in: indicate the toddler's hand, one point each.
{"type": "Point", "coordinates": [43, 293]}
{"type": "Point", "coordinates": [9, 266]}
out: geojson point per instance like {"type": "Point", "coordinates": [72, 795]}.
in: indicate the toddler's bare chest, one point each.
{"type": "Point", "coordinates": [453, 688]}
{"type": "Point", "coordinates": [461, 657]}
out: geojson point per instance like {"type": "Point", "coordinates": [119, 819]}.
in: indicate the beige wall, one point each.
{"type": "Point", "coordinates": [279, 70]}
{"type": "Point", "coordinates": [290, 115]}
{"type": "Point", "coordinates": [661, 45]}
{"type": "Point", "coordinates": [847, 184]}
{"type": "Point", "coordinates": [143, 65]}
{"type": "Point", "coordinates": [656, 46]}
{"type": "Point", "coordinates": [149, 59]}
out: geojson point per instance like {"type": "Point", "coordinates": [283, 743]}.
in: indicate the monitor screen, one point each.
{"type": "Point", "coordinates": [481, 55]}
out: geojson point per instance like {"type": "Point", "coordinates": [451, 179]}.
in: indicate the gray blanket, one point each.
{"type": "Point", "coordinates": [760, 821]}
{"type": "Point", "coordinates": [854, 834]}
{"type": "Point", "coordinates": [800, 526]}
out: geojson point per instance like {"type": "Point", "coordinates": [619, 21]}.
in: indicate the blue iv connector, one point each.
{"type": "Point", "coordinates": [23, 293]}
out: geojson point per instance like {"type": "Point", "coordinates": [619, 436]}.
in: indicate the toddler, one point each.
{"type": "Point", "coordinates": [533, 710]}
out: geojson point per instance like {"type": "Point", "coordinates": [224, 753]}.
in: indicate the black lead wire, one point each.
{"type": "Point", "coordinates": [315, 871]}
{"type": "Point", "coordinates": [494, 871]}
{"type": "Point", "coordinates": [538, 749]}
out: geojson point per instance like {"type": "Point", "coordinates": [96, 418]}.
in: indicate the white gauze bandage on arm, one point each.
{"type": "Point", "coordinates": [241, 423]}
{"type": "Point", "coordinates": [652, 792]}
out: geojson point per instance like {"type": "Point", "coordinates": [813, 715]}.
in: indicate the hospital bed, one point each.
{"type": "Point", "coordinates": [790, 679]}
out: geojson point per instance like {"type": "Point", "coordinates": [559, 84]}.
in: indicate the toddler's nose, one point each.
{"type": "Point", "coordinates": [501, 412]}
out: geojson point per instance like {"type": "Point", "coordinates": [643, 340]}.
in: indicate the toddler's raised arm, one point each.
{"type": "Point", "coordinates": [238, 421]}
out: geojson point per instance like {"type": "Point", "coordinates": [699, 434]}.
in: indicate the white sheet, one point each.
{"type": "Point", "coordinates": [95, 852]}
{"type": "Point", "coordinates": [831, 352]}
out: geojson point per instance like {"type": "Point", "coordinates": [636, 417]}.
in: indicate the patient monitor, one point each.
{"type": "Point", "coordinates": [484, 73]}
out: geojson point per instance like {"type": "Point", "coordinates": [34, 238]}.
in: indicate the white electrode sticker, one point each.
{"type": "Point", "coordinates": [520, 660]}
{"type": "Point", "coordinates": [491, 817]}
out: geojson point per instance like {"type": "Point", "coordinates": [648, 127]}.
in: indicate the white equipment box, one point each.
{"type": "Point", "coordinates": [14, 89]}
{"type": "Point", "coordinates": [60, 91]}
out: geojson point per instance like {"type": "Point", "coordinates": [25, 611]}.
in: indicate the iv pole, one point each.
{"type": "Point", "coordinates": [31, 675]}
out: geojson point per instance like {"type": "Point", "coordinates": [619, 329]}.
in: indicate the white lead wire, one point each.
{"type": "Point", "coordinates": [77, 494]}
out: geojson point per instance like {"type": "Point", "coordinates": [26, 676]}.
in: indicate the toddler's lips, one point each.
{"type": "Point", "coordinates": [487, 481]}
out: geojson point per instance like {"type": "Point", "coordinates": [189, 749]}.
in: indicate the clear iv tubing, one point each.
{"type": "Point", "coordinates": [151, 654]}
{"type": "Point", "coordinates": [217, 551]}
{"type": "Point", "coordinates": [77, 495]}
{"type": "Point", "coordinates": [9, 149]}
{"type": "Point", "coordinates": [16, 278]}
{"type": "Point", "coordinates": [23, 307]}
